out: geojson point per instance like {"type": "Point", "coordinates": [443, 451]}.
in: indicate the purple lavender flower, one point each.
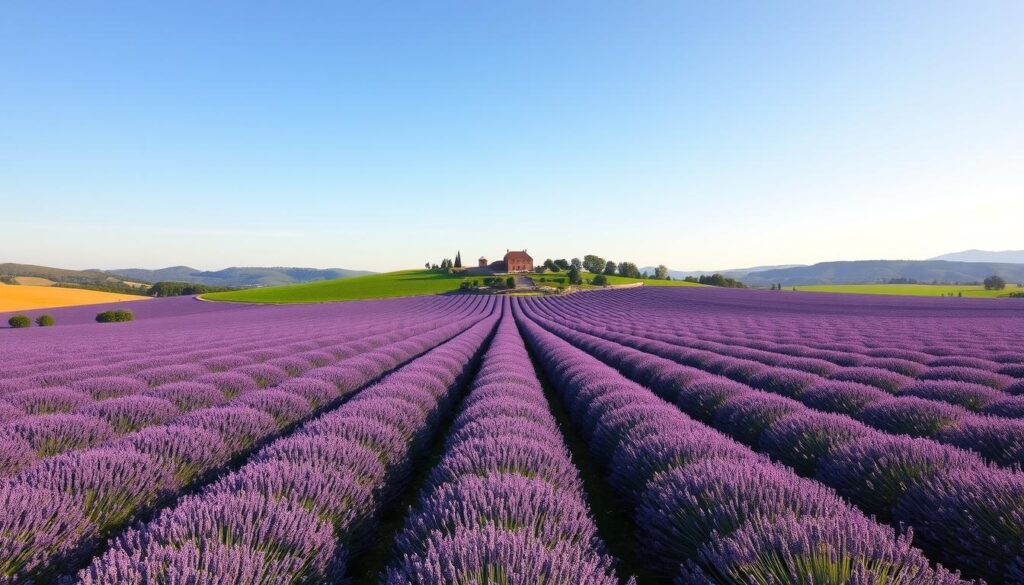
{"type": "Point", "coordinates": [187, 452]}
{"type": "Point", "coordinates": [683, 509]}
{"type": "Point", "coordinates": [842, 397]}
{"type": "Point", "coordinates": [131, 413]}
{"type": "Point", "coordinates": [52, 434]}
{"type": "Point", "coordinates": [48, 400]}
{"type": "Point", "coordinates": [490, 555]}
{"type": "Point", "coordinates": [189, 396]}
{"type": "Point", "coordinates": [284, 533]}
{"type": "Point", "coordinates": [95, 478]}
{"type": "Point", "coordinates": [884, 379]}
{"type": "Point", "coordinates": [746, 417]}
{"type": "Point", "coordinates": [230, 384]}
{"type": "Point", "coordinates": [970, 375]}
{"type": "Point", "coordinates": [912, 416]}
{"type": "Point", "coordinates": [801, 440]}
{"type": "Point", "coordinates": [286, 408]}
{"type": "Point", "coordinates": [831, 550]}
{"type": "Point", "coordinates": [37, 527]}
{"type": "Point", "coordinates": [110, 386]}
{"type": "Point", "coordinates": [240, 428]}
{"type": "Point", "coordinates": [877, 471]}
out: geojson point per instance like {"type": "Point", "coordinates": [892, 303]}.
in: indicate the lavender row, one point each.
{"type": "Point", "coordinates": [98, 490]}
{"type": "Point", "coordinates": [248, 342]}
{"type": "Point", "coordinates": [304, 504]}
{"type": "Point", "coordinates": [665, 322]}
{"type": "Point", "coordinates": [159, 395]}
{"type": "Point", "coordinates": [997, 438]}
{"type": "Point", "coordinates": [933, 488]}
{"type": "Point", "coordinates": [808, 324]}
{"type": "Point", "coordinates": [86, 346]}
{"type": "Point", "coordinates": [505, 498]}
{"type": "Point", "coordinates": [956, 379]}
{"type": "Point", "coordinates": [708, 510]}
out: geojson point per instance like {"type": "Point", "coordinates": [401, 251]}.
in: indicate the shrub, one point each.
{"type": "Point", "coordinates": [46, 321]}
{"type": "Point", "coordinates": [115, 316]}
{"type": "Point", "coordinates": [19, 322]}
{"type": "Point", "coordinates": [600, 280]}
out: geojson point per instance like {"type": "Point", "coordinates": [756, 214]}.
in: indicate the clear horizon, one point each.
{"type": "Point", "coordinates": [379, 137]}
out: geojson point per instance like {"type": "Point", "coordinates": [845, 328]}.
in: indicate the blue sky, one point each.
{"type": "Point", "coordinates": [379, 135]}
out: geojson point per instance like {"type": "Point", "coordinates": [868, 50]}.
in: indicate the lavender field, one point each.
{"type": "Point", "coordinates": [651, 435]}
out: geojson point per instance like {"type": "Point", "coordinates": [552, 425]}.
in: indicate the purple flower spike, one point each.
{"type": "Point", "coordinates": [132, 413]}
{"type": "Point", "coordinates": [95, 479]}
{"type": "Point", "coordinates": [37, 527]}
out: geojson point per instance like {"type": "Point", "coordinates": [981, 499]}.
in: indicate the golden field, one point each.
{"type": "Point", "coordinates": [24, 298]}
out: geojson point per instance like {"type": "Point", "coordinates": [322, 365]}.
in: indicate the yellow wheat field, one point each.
{"type": "Point", "coordinates": [24, 298]}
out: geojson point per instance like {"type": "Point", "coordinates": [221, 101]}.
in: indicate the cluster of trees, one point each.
{"type": "Point", "coordinates": [115, 316]}
{"type": "Point", "coordinates": [23, 321]}
{"type": "Point", "coordinates": [177, 289]}
{"type": "Point", "coordinates": [447, 264]}
{"type": "Point", "coordinates": [718, 280]}
{"type": "Point", "coordinates": [597, 265]}
{"type": "Point", "coordinates": [995, 283]}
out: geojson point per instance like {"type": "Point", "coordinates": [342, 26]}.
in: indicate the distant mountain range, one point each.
{"type": "Point", "coordinates": [880, 271]}
{"type": "Point", "coordinates": [130, 277]}
{"type": "Point", "coordinates": [46, 276]}
{"type": "Point", "coordinates": [958, 267]}
{"type": "Point", "coordinates": [237, 276]}
{"type": "Point", "coordinates": [1007, 256]}
{"type": "Point", "coordinates": [739, 273]}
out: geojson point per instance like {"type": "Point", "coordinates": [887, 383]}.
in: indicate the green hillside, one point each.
{"type": "Point", "coordinates": [403, 283]}
{"type": "Point", "coordinates": [928, 290]}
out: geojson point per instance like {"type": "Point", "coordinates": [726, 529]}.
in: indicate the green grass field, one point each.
{"type": "Point", "coordinates": [403, 283]}
{"type": "Point", "coordinates": [928, 290]}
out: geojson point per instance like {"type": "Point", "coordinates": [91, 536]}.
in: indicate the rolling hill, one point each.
{"type": "Point", "coordinates": [879, 271]}
{"type": "Point", "coordinates": [737, 273]}
{"type": "Point", "coordinates": [238, 276]}
{"type": "Point", "coordinates": [31, 274]}
{"type": "Point", "coordinates": [1005, 256]}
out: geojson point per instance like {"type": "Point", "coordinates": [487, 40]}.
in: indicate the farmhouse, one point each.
{"type": "Point", "coordinates": [513, 261]}
{"type": "Point", "coordinates": [518, 261]}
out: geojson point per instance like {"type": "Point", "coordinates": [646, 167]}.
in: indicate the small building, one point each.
{"type": "Point", "coordinates": [514, 261]}
{"type": "Point", "coordinates": [518, 261]}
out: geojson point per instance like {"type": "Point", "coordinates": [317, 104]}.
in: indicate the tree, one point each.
{"type": "Point", "coordinates": [661, 272]}
{"type": "Point", "coordinates": [576, 263]}
{"type": "Point", "coordinates": [115, 316]}
{"type": "Point", "coordinates": [19, 321]}
{"type": "Point", "coordinates": [599, 280]}
{"type": "Point", "coordinates": [551, 266]}
{"type": "Point", "coordinates": [719, 280]}
{"type": "Point", "coordinates": [427, 265]}
{"type": "Point", "coordinates": [574, 276]}
{"type": "Point", "coordinates": [458, 259]}
{"type": "Point", "coordinates": [510, 282]}
{"type": "Point", "coordinates": [609, 268]}
{"type": "Point", "coordinates": [563, 264]}
{"type": "Point", "coordinates": [994, 283]}
{"type": "Point", "coordinates": [593, 263]}
{"type": "Point", "coordinates": [629, 270]}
